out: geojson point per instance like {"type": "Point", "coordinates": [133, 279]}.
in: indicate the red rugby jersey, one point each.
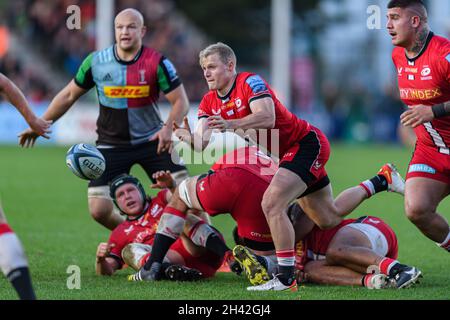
{"type": "Point", "coordinates": [425, 80]}
{"type": "Point", "coordinates": [141, 230]}
{"type": "Point", "coordinates": [246, 88]}
{"type": "Point", "coordinates": [250, 159]}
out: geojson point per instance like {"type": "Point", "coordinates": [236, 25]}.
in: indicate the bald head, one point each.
{"type": "Point", "coordinates": [130, 30]}
{"type": "Point", "coordinates": [130, 14]}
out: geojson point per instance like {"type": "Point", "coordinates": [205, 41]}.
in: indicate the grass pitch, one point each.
{"type": "Point", "coordinates": [47, 206]}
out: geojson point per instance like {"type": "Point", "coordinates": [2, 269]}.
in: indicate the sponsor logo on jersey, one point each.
{"type": "Point", "coordinates": [317, 165]}
{"type": "Point", "coordinates": [412, 70]}
{"type": "Point", "coordinates": [426, 72]}
{"type": "Point", "coordinates": [155, 210]}
{"type": "Point", "coordinates": [399, 71]}
{"type": "Point", "coordinates": [128, 231]}
{"type": "Point", "coordinates": [230, 113]}
{"type": "Point", "coordinates": [422, 94]}
{"type": "Point", "coordinates": [257, 84]}
{"type": "Point", "coordinates": [421, 168]}
{"type": "Point", "coordinates": [216, 112]}
{"type": "Point", "coordinates": [259, 235]}
{"type": "Point", "coordinates": [238, 102]}
{"type": "Point", "coordinates": [127, 91]}
{"type": "Point", "coordinates": [170, 69]}
{"type": "Point", "coordinates": [410, 77]}
{"type": "Point", "coordinates": [107, 77]}
{"type": "Point", "coordinates": [142, 77]}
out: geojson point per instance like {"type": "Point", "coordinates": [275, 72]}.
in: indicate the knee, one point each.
{"type": "Point", "coordinates": [100, 213]}
{"type": "Point", "coordinates": [327, 222]}
{"type": "Point", "coordinates": [417, 211]}
{"type": "Point", "coordinates": [271, 208]}
{"type": "Point", "coordinates": [334, 255]}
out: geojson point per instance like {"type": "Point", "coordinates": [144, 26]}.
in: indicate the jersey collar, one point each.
{"type": "Point", "coordinates": [430, 36]}
{"type": "Point", "coordinates": [226, 97]}
{"type": "Point", "coordinates": [136, 57]}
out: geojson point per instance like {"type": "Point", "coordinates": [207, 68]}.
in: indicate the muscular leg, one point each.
{"type": "Point", "coordinates": [102, 210]}
{"type": "Point", "coordinates": [13, 262]}
{"type": "Point", "coordinates": [284, 187]}
{"type": "Point", "coordinates": [321, 273]}
{"type": "Point", "coordinates": [352, 249]}
{"type": "Point", "coordinates": [422, 197]}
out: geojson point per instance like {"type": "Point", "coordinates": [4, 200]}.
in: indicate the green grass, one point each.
{"type": "Point", "coordinates": [47, 207]}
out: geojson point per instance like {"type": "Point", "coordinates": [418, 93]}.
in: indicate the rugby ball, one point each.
{"type": "Point", "coordinates": [85, 161]}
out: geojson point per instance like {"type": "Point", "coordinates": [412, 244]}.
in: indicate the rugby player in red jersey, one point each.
{"type": "Point", "coordinates": [236, 185]}
{"type": "Point", "coordinates": [13, 262]}
{"type": "Point", "coordinates": [356, 252]}
{"type": "Point", "coordinates": [131, 241]}
{"type": "Point", "coordinates": [244, 101]}
{"type": "Point", "coordinates": [422, 60]}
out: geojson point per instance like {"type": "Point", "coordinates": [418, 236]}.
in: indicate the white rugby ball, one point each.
{"type": "Point", "coordinates": [85, 161]}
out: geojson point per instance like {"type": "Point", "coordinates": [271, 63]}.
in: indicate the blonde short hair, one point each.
{"type": "Point", "coordinates": [226, 54]}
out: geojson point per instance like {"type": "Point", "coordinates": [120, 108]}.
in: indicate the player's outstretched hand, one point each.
{"type": "Point", "coordinates": [27, 138]}
{"type": "Point", "coordinates": [41, 127]}
{"type": "Point", "coordinates": [416, 115]}
{"type": "Point", "coordinates": [163, 180]}
{"type": "Point", "coordinates": [184, 134]}
{"type": "Point", "coordinates": [164, 137]}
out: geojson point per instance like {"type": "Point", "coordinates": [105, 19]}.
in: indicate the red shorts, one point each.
{"type": "Point", "coordinates": [307, 159]}
{"type": "Point", "coordinates": [238, 192]}
{"type": "Point", "coordinates": [428, 162]}
{"type": "Point", "coordinates": [207, 263]}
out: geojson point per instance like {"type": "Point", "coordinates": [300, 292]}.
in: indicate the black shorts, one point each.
{"type": "Point", "coordinates": [307, 159]}
{"type": "Point", "coordinates": [119, 160]}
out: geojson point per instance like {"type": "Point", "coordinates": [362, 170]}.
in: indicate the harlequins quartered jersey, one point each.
{"type": "Point", "coordinates": [128, 92]}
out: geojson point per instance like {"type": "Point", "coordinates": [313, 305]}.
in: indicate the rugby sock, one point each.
{"type": "Point", "coordinates": [21, 280]}
{"type": "Point", "coordinates": [286, 266]}
{"type": "Point", "coordinates": [206, 236]}
{"type": "Point", "coordinates": [169, 229]}
{"type": "Point", "coordinates": [375, 185]}
{"type": "Point", "coordinates": [161, 245]}
{"type": "Point", "coordinates": [14, 264]}
{"type": "Point", "coordinates": [390, 267]}
{"type": "Point", "coordinates": [446, 244]}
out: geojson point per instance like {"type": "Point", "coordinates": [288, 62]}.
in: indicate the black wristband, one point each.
{"type": "Point", "coordinates": [439, 111]}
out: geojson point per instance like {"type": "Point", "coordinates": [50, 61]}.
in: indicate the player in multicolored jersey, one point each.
{"type": "Point", "coordinates": [422, 60]}
{"type": "Point", "coordinates": [235, 185]}
{"type": "Point", "coordinates": [244, 102]}
{"type": "Point", "coordinates": [131, 242]}
{"type": "Point", "coordinates": [13, 262]}
{"type": "Point", "coordinates": [128, 78]}
{"type": "Point", "coordinates": [356, 252]}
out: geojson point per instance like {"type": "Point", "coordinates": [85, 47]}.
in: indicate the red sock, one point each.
{"type": "Point", "coordinates": [5, 228]}
{"type": "Point", "coordinates": [386, 264]}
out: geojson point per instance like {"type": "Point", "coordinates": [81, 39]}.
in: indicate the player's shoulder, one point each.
{"type": "Point", "coordinates": [441, 46]}
{"type": "Point", "coordinates": [101, 56]}
{"type": "Point", "coordinates": [149, 52]}
{"type": "Point", "coordinates": [256, 82]}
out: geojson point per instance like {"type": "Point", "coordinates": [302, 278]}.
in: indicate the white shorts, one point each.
{"type": "Point", "coordinates": [375, 236]}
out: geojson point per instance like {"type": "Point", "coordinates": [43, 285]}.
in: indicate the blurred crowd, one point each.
{"type": "Point", "coordinates": [42, 23]}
